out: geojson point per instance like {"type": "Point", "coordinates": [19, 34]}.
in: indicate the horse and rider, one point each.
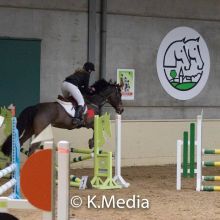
{"type": "Point", "coordinates": [86, 99]}
{"type": "Point", "coordinates": [76, 84]}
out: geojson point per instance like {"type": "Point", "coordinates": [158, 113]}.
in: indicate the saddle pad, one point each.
{"type": "Point", "coordinates": [68, 107]}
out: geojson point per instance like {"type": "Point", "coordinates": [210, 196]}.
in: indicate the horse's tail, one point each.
{"type": "Point", "coordinates": [24, 125]}
{"type": "Point", "coordinates": [25, 119]}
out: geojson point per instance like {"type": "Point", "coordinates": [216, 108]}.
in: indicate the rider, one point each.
{"type": "Point", "coordinates": [76, 83]}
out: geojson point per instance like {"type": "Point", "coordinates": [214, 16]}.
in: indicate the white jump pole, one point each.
{"type": "Point", "coordinates": [199, 153]}
{"type": "Point", "coordinates": [63, 181]}
{"type": "Point", "coordinates": [178, 164]}
{"type": "Point", "coordinates": [7, 170]}
{"type": "Point", "coordinates": [118, 178]}
{"type": "Point", "coordinates": [7, 186]}
{"type": "Point", "coordinates": [50, 215]}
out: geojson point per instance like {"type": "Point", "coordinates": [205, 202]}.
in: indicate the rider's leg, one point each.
{"type": "Point", "coordinates": [65, 89]}
{"type": "Point", "coordinates": [79, 98]}
{"type": "Point", "coordinates": [72, 90]}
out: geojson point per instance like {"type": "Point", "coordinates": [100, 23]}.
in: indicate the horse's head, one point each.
{"type": "Point", "coordinates": [181, 54]}
{"type": "Point", "coordinates": [109, 92]}
{"type": "Point", "coordinates": [194, 52]}
{"type": "Point", "coordinates": [176, 54]}
{"type": "Point", "coordinates": [114, 99]}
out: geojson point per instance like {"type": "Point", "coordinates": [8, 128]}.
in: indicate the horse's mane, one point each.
{"type": "Point", "coordinates": [101, 85]}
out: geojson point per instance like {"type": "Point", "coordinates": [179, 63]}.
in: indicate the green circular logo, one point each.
{"type": "Point", "coordinates": [183, 63]}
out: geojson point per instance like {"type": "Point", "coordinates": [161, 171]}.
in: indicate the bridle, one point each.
{"type": "Point", "coordinates": [104, 97]}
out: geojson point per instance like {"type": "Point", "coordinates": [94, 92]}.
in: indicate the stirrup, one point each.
{"type": "Point", "coordinates": [78, 121]}
{"type": "Point", "coordinates": [79, 111]}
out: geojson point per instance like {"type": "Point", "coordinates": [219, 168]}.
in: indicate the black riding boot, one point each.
{"type": "Point", "coordinates": [78, 114]}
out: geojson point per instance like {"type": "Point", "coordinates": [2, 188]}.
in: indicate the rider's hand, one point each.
{"type": "Point", "coordinates": [91, 90]}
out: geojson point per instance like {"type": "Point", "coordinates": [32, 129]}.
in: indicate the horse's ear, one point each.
{"type": "Point", "coordinates": [197, 39]}
{"type": "Point", "coordinates": [121, 85]}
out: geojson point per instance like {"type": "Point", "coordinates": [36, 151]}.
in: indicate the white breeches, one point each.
{"type": "Point", "coordinates": [68, 89]}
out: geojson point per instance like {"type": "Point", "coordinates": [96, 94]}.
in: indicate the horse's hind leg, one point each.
{"type": "Point", "coordinates": [41, 121]}
{"type": "Point", "coordinates": [27, 135]}
{"type": "Point", "coordinates": [7, 145]}
{"type": "Point", "coordinates": [33, 148]}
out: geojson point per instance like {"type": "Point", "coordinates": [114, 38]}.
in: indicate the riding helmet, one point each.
{"type": "Point", "coordinates": [89, 66]}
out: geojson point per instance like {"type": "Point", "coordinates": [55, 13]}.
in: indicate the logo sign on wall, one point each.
{"type": "Point", "coordinates": [126, 78]}
{"type": "Point", "coordinates": [183, 63]}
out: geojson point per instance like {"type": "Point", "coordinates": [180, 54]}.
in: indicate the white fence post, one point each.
{"type": "Point", "coordinates": [63, 181]}
{"type": "Point", "coordinates": [50, 215]}
{"type": "Point", "coordinates": [118, 178]}
{"type": "Point", "coordinates": [178, 164]}
{"type": "Point", "coordinates": [199, 153]}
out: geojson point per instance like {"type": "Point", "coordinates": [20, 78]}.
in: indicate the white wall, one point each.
{"type": "Point", "coordinates": [145, 142]}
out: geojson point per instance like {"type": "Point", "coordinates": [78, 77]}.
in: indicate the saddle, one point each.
{"type": "Point", "coordinates": [69, 99]}
{"type": "Point", "coordinates": [90, 112]}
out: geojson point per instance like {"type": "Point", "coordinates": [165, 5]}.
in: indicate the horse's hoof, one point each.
{"type": "Point", "coordinates": [88, 184]}
{"type": "Point", "coordinates": [78, 123]}
{"type": "Point", "coordinates": [91, 143]}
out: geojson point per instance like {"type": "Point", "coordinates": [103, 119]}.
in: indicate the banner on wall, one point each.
{"type": "Point", "coordinates": [126, 77]}
{"type": "Point", "coordinates": [183, 63]}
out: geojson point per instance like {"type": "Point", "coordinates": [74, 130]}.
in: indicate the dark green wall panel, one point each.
{"type": "Point", "coordinates": [19, 72]}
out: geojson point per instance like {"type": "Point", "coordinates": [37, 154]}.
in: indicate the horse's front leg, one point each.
{"type": "Point", "coordinates": [89, 124]}
{"type": "Point", "coordinates": [91, 141]}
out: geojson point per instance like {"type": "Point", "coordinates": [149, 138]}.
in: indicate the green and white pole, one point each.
{"type": "Point", "coordinates": [82, 158]}
{"type": "Point", "coordinates": [211, 178]}
{"type": "Point", "coordinates": [210, 188]}
{"type": "Point", "coordinates": [186, 168]}
{"type": "Point", "coordinates": [213, 151]}
{"type": "Point", "coordinates": [210, 163]}
{"type": "Point", "coordinates": [74, 181]}
{"type": "Point", "coordinates": [81, 151]}
{"type": "Point", "coordinates": [74, 178]}
{"type": "Point", "coordinates": [192, 150]}
{"type": "Point", "coordinates": [185, 153]}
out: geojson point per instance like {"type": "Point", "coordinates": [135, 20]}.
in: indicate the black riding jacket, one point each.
{"type": "Point", "coordinates": [80, 79]}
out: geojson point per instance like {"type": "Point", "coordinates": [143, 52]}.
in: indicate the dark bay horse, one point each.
{"type": "Point", "coordinates": [34, 119]}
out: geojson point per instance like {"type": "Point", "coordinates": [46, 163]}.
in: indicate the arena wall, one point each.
{"type": "Point", "coordinates": [134, 34]}
{"type": "Point", "coordinates": [145, 142]}
{"type": "Point", "coordinates": [153, 120]}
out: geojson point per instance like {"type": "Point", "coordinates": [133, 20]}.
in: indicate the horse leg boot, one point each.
{"type": "Point", "coordinates": [78, 115]}
{"type": "Point", "coordinates": [33, 148]}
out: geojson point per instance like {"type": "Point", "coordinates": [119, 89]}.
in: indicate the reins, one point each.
{"type": "Point", "coordinates": [103, 97]}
